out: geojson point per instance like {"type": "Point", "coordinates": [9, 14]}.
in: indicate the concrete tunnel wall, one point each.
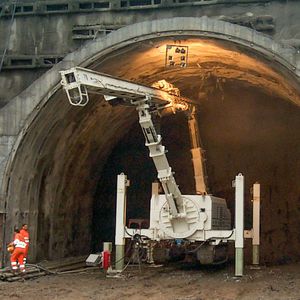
{"type": "Point", "coordinates": [65, 160]}
{"type": "Point", "coordinates": [57, 29]}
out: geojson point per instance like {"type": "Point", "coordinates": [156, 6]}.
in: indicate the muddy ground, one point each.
{"type": "Point", "coordinates": [178, 281]}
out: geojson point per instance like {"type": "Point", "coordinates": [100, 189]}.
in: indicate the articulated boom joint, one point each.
{"type": "Point", "coordinates": [158, 153]}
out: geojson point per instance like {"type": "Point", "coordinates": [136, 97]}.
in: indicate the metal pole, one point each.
{"type": "Point", "coordinates": [256, 224]}
{"type": "Point", "coordinates": [122, 184]}
{"type": "Point", "coordinates": [239, 225]}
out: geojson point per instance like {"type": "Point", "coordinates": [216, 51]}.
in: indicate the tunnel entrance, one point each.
{"type": "Point", "coordinates": [63, 176]}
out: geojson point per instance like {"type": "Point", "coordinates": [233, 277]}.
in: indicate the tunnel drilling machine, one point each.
{"type": "Point", "coordinates": [201, 222]}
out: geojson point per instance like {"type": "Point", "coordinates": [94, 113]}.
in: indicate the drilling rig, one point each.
{"type": "Point", "coordinates": [202, 222]}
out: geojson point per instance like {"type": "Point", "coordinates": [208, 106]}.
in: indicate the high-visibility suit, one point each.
{"type": "Point", "coordinates": [25, 234]}
{"type": "Point", "coordinates": [17, 257]}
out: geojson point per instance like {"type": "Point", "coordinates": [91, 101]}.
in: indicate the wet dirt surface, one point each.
{"type": "Point", "coordinates": [178, 282]}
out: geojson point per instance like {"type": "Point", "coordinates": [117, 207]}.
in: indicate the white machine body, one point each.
{"type": "Point", "coordinates": [199, 214]}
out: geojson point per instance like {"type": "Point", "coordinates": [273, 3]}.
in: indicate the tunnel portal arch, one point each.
{"type": "Point", "coordinates": [19, 115]}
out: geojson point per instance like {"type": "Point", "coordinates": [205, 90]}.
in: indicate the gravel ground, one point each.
{"type": "Point", "coordinates": [174, 282]}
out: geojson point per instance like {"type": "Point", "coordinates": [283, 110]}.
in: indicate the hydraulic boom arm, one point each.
{"type": "Point", "coordinates": [77, 82]}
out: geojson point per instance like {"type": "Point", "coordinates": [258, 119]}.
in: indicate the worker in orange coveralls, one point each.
{"type": "Point", "coordinates": [25, 233]}
{"type": "Point", "coordinates": [17, 256]}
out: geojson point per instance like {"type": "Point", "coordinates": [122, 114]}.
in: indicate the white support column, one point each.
{"type": "Point", "coordinates": [154, 206]}
{"type": "Point", "coordinates": [122, 185]}
{"type": "Point", "coordinates": [239, 225]}
{"type": "Point", "coordinates": [154, 219]}
{"type": "Point", "coordinates": [256, 224]}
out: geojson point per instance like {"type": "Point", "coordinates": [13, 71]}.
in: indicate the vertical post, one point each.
{"type": "Point", "coordinates": [239, 225]}
{"type": "Point", "coordinates": [256, 224]}
{"type": "Point", "coordinates": [122, 184]}
{"type": "Point", "coordinates": [197, 153]}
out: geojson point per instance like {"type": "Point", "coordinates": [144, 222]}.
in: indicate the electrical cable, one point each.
{"type": "Point", "coordinates": [126, 264]}
{"type": "Point", "coordinates": [132, 235]}
{"type": "Point", "coordinates": [211, 238]}
{"type": "Point", "coordinates": [77, 271]}
{"type": "Point", "coordinates": [125, 228]}
{"type": "Point", "coordinates": [42, 268]}
{"type": "Point", "coordinates": [197, 248]}
{"type": "Point", "coordinates": [57, 272]}
{"type": "Point", "coordinates": [221, 261]}
{"type": "Point", "coordinates": [137, 239]}
{"type": "Point", "coordinates": [138, 249]}
{"type": "Point", "coordinates": [222, 238]}
{"type": "Point", "coordinates": [126, 253]}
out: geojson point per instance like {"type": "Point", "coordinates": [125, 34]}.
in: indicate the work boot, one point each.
{"type": "Point", "coordinates": [22, 271]}
{"type": "Point", "coordinates": [14, 272]}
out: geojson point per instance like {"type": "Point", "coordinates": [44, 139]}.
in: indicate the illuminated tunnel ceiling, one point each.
{"type": "Point", "coordinates": [70, 157]}
{"type": "Point", "coordinates": [206, 60]}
